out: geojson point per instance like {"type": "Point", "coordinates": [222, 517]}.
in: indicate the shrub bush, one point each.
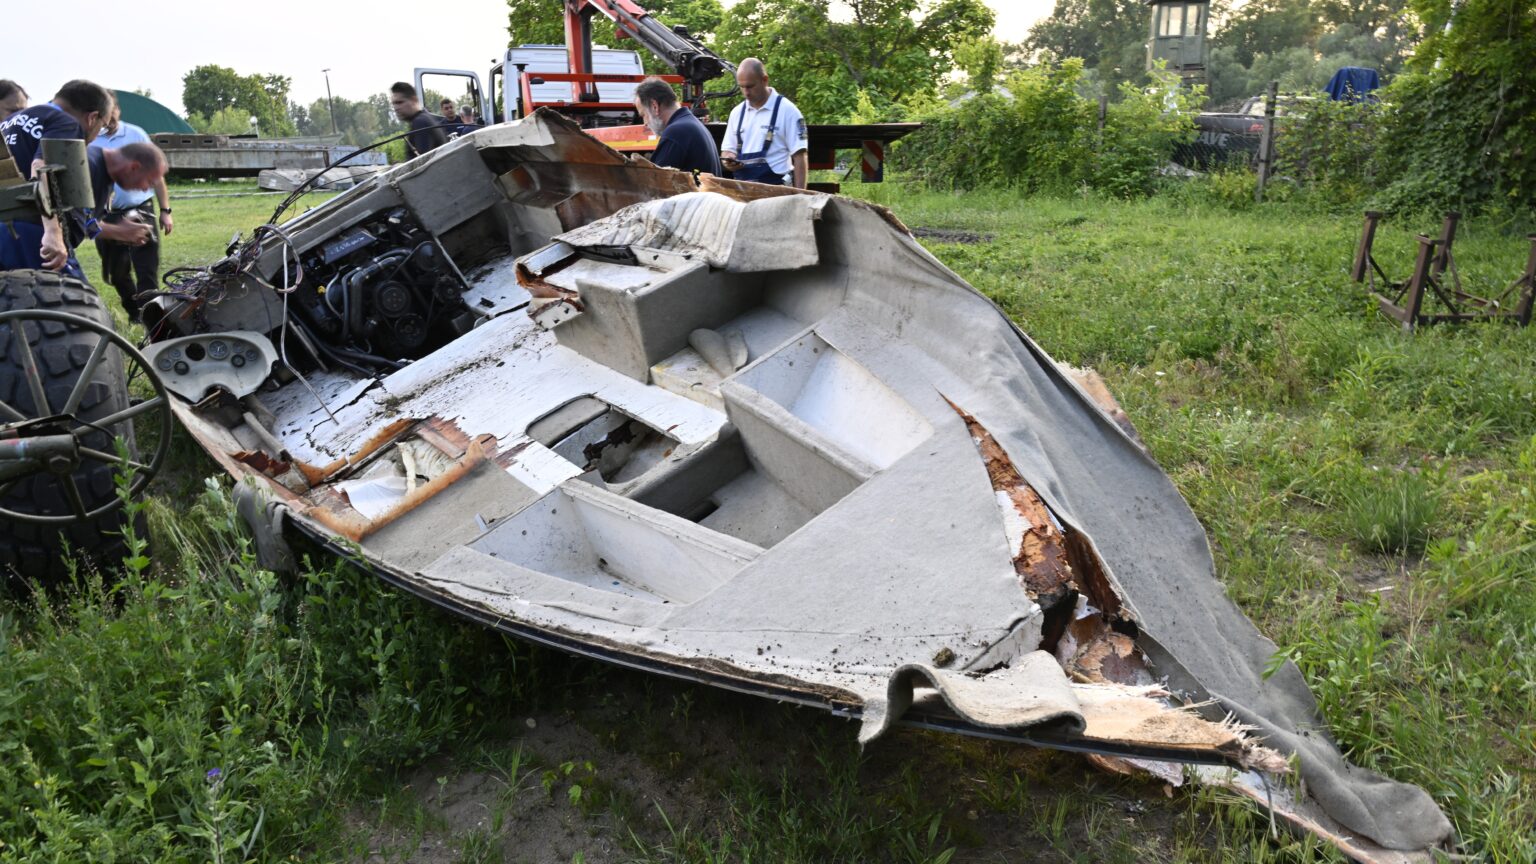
{"type": "Point", "coordinates": [1035, 133]}
{"type": "Point", "coordinates": [1140, 133]}
{"type": "Point", "coordinates": [1330, 148]}
{"type": "Point", "coordinates": [1039, 134]}
{"type": "Point", "coordinates": [1462, 120]}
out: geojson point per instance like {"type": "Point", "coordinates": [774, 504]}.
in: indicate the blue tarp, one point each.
{"type": "Point", "coordinates": [1352, 84]}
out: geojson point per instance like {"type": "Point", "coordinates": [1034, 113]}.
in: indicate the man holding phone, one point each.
{"type": "Point", "coordinates": [765, 138]}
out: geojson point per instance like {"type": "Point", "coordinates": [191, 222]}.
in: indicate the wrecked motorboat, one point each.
{"type": "Point", "coordinates": [746, 436]}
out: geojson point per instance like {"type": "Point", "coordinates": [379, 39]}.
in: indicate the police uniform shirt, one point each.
{"type": "Point", "coordinates": [24, 131]}
{"type": "Point", "coordinates": [789, 135]}
{"type": "Point", "coordinates": [127, 133]}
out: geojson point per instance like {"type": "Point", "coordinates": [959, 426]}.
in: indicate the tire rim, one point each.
{"type": "Point", "coordinates": [51, 420]}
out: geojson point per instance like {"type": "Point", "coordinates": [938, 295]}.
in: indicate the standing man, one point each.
{"type": "Point", "coordinates": [685, 144]}
{"type": "Point", "coordinates": [765, 137]}
{"type": "Point", "coordinates": [131, 268]}
{"type": "Point", "coordinates": [467, 120]}
{"type": "Point", "coordinates": [428, 131]}
{"type": "Point", "coordinates": [446, 110]}
{"type": "Point", "coordinates": [77, 111]}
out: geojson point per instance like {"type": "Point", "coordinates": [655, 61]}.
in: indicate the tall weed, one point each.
{"type": "Point", "coordinates": [1392, 512]}
{"type": "Point", "coordinates": [1330, 148]}
{"type": "Point", "coordinates": [1039, 134]}
{"type": "Point", "coordinates": [207, 711]}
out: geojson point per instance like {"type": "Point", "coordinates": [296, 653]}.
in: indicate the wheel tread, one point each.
{"type": "Point", "coordinates": [35, 552]}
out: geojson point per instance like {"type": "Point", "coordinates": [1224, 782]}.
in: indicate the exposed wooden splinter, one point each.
{"type": "Point", "coordinates": [1114, 680]}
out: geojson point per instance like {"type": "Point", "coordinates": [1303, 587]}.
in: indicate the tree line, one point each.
{"type": "Point", "coordinates": [1462, 103]}
{"type": "Point", "coordinates": [221, 101]}
{"type": "Point", "coordinates": [892, 58]}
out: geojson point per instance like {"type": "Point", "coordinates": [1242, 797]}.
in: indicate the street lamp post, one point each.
{"type": "Point", "coordinates": [328, 100]}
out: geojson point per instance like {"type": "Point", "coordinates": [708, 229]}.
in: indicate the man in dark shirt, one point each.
{"type": "Point", "coordinates": [467, 121]}
{"type": "Point", "coordinates": [428, 131]}
{"type": "Point", "coordinates": [685, 143]}
{"type": "Point", "coordinates": [77, 111]}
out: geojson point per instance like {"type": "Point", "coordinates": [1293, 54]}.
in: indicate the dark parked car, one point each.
{"type": "Point", "coordinates": [1232, 137]}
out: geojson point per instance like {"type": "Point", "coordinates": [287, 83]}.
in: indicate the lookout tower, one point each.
{"type": "Point", "coordinates": [1178, 36]}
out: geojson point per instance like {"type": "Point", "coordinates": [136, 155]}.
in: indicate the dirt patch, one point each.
{"type": "Point", "coordinates": [549, 793]}
{"type": "Point", "coordinates": [659, 761]}
{"type": "Point", "coordinates": [948, 235]}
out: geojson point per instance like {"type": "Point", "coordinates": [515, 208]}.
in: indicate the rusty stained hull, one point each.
{"type": "Point", "coordinates": [729, 433]}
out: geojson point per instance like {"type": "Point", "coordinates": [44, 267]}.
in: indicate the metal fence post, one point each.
{"type": "Point", "coordinates": [1362, 264]}
{"type": "Point", "coordinates": [1418, 282]}
{"type": "Point", "coordinates": [1447, 239]}
{"type": "Point", "coordinates": [1267, 141]}
{"type": "Point", "coordinates": [1528, 280]}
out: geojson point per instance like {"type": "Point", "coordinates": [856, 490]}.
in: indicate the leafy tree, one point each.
{"type": "Point", "coordinates": [359, 122]}
{"type": "Point", "coordinates": [1301, 43]}
{"type": "Point", "coordinates": [1268, 27]}
{"type": "Point", "coordinates": [981, 59]}
{"type": "Point", "coordinates": [1367, 16]}
{"type": "Point", "coordinates": [892, 51]}
{"type": "Point", "coordinates": [1109, 35]}
{"type": "Point", "coordinates": [1462, 120]}
{"type": "Point", "coordinates": [299, 115]}
{"type": "Point", "coordinates": [210, 89]}
{"type": "Point", "coordinates": [542, 22]}
{"type": "Point", "coordinates": [225, 121]}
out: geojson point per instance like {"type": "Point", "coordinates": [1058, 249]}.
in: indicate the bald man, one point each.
{"type": "Point", "coordinates": [765, 138]}
{"type": "Point", "coordinates": [132, 268]}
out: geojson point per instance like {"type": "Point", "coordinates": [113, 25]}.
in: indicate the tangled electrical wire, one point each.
{"type": "Point", "coordinates": [194, 287]}
{"type": "Point", "coordinates": [212, 283]}
{"type": "Point", "coordinates": [302, 188]}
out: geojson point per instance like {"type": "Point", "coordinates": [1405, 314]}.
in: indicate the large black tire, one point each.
{"type": "Point", "coordinates": [33, 551]}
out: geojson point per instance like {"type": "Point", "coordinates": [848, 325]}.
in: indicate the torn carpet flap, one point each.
{"type": "Point", "coordinates": [1033, 691]}
{"type": "Point", "coordinates": [777, 234]}
{"type": "Point", "coordinates": [758, 236]}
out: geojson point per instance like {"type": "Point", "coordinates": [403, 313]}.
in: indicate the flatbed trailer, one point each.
{"type": "Point", "coordinates": [200, 155]}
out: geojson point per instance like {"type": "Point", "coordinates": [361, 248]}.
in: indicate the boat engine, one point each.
{"type": "Point", "coordinates": [380, 293]}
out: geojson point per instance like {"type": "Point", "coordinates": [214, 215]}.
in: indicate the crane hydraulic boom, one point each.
{"type": "Point", "coordinates": [614, 122]}
{"type": "Point", "coordinates": [693, 62]}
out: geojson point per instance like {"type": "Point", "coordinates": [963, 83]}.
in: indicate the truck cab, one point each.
{"type": "Point", "coordinates": [505, 98]}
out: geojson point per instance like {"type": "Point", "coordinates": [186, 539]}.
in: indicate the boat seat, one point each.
{"type": "Point", "coordinates": [588, 536]}
{"type": "Point", "coordinates": [633, 321]}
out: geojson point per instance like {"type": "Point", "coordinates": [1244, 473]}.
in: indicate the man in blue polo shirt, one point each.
{"type": "Point", "coordinates": [685, 144]}
{"type": "Point", "coordinates": [77, 111]}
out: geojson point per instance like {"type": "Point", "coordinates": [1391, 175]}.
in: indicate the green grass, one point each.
{"type": "Point", "coordinates": [1310, 434]}
{"type": "Point", "coordinates": [1370, 498]}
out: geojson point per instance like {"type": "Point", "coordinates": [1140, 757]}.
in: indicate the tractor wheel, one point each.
{"type": "Point", "coordinates": [45, 350]}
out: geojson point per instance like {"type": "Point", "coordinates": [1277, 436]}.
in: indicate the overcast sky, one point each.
{"type": "Point", "coordinates": [365, 46]}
